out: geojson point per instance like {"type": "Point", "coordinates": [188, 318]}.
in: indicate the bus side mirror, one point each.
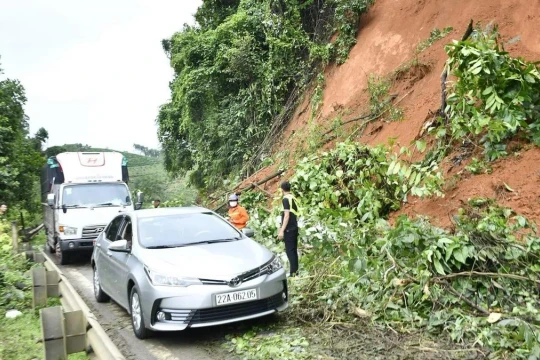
{"type": "Point", "coordinates": [140, 200]}
{"type": "Point", "coordinates": [50, 200]}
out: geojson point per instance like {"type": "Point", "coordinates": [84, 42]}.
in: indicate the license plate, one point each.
{"type": "Point", "coordinates": [236, 297]}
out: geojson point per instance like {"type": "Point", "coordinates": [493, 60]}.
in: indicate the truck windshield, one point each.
{"type": "Point", "coordinates": [95, 195]}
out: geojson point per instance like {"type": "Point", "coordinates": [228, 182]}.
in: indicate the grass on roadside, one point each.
{"type": "Point", "coordinates": [20, 337]}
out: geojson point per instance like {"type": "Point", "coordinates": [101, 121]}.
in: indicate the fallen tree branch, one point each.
{"type": "Point", "coordinates": [483, 274]}
{"type": "Point", "coordinates": [361, 117]}
{"type": "Point", "coordinates": [262, 190]}
{"type": "Point", "coordinates": [462, 297]}
{"type": "Point", "coordinates": [253, 185]}
{"type": "Point", "coordinates": [444, 76]}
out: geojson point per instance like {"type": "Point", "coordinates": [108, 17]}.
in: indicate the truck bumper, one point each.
{"type": "Point", "coordinates": [76, 245]}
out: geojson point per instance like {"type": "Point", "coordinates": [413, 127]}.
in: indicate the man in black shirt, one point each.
{"type": "Point", "coordinates": [289, 227]}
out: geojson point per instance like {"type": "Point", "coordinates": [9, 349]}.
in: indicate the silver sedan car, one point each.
{"type": "Point", "coordinates": [175, 268]}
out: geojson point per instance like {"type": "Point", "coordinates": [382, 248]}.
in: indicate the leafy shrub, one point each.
{"type": "Point", "coordinates": [354, 181]}
{"type": "Point", "coordinates": [495, 96]}
{"type": "Point", "coordinates": [12, 269]}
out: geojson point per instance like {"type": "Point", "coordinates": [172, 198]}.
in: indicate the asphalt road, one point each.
{"type": "Point", "coordinates": [192, 344]}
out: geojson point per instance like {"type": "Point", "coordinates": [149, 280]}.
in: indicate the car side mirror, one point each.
{"type": "Point", "coordinates": [248, 232]}
{"type": "Point", "coordinates": [140, 200]}
{"type": "Point", "coordinates": [50, 200]}
{"type": "Point", "coordinates": [119, 246]}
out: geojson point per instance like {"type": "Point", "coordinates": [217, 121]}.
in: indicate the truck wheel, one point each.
{"type": "Point", "coordinates": [51, 249]}
{"type": "Point", "coordinates": [62, 258]}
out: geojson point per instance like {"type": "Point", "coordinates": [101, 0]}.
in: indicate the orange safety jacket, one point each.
{"type": "Point", "coordinates": [238, 217]}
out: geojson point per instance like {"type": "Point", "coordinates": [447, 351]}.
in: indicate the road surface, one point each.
{"type": "Point", "coordinates": [192, 344]}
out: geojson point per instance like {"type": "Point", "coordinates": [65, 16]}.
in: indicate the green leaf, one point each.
{"type": "Point", "coordinates": [339, 173]}
{"type": "Point", "coordinates": [396, 168]}
{"type": "Point", "coordinates": [421, 145]}
{"type": "Point", "coordinates": [438, 266]}
{"type": "Point", "coordinates": [391, 168]}
{"type": "Point", "coordinates": [458, 255]}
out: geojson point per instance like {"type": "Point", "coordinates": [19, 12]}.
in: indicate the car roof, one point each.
{"type": "Point", "coordinates": [144, 213]}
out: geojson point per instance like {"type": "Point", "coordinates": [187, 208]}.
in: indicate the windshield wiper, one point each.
{"type": "Point", "coordinates": [107, 204]}
{"type": "Point", "coordinates": [194, 243]}
{"type": "Point", "coordinates": [166, 246]}
{"type": "Point", "coordinates": [215, 241]}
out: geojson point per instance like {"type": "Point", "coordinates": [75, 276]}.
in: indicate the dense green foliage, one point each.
{"type": "Point", "coordinates": [366, 180]}
{"type": "Point", "coordinates": [476, 284]}
{"type": "Point", "coordinates": [20, 154]}
{"type": "Point", "coordinates": [236, 70]}
{"type": "Point", "coordinates": [495, 96]}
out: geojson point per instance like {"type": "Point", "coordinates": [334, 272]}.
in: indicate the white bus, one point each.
{"type": "Point", "coordinates": [81, 193]}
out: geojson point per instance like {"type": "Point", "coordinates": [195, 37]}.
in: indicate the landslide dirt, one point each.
{"type": "Point", "coordinates": [388, 36]}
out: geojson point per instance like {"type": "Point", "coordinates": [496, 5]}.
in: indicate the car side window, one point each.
{"type": "Point", "coordinates": [113, 228]}
{"type": "Point", "coordinates": [127, 232]}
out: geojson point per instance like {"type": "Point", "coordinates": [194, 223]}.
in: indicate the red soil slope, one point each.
{"type": "Point", "coordinates": [387, 39]}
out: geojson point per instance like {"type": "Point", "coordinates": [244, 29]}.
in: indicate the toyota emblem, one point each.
{"type": "Point", "coordinates": [236, 281]}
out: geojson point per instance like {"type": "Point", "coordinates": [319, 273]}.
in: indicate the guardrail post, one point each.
{"type": "Point", "coordinates": [53, 280]}
{"type": "Point", "coordinates": [53, 333]}
{"type": "Point", "coordinates": [39, 287]}
{"type": "Point", "coordinates": [14, 237]}
{"type": "Point", "coordinates": [75, 325]}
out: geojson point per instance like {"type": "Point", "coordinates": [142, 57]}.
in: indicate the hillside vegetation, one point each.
{"type": "Point", "coordinates": [244, 65]}
{"type": "Point", "coordinates": [399, 259]}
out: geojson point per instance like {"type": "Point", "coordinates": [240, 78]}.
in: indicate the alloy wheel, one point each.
{"type": "Point", "coordinates": [136, 311]}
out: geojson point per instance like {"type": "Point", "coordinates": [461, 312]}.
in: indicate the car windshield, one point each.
{"type": "Point", "coordinates": [95, 195]}
{"type": "Point", "coordinates": [184, 229]}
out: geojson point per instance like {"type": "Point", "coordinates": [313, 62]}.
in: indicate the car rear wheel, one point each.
{"type": "Point", "coordinates": [98, 292]}
{"type": "Point", "coordinates": [62, 257]}
{"type": "Point", "coordinates": [137, 318]}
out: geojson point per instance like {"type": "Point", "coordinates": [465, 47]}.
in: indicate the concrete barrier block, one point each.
{"type": "Point", "coordinates": [53, 333]}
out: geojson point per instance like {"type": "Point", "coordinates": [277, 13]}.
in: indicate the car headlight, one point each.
{"type": "Point", "coordinates": [272, 266]}
{"type": "Point", "coordinates": [68, 230]}
{"type": "Point", "coordinates": [167, 280]}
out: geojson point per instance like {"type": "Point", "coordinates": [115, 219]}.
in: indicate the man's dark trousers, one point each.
{"type": "Point", "coordinates": [291, 248]}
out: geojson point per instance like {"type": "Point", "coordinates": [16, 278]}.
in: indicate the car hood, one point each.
{"type": "Point", "coordinates": [217, 261]}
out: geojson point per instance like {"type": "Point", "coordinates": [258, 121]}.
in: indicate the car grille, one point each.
{"type": "Point", "coordinates": [226, 312]}
{"type": "Point", "coordinates": [234, 311]}
{"type": "Point", "coordinates": [246, 276]}
{"type": "Point", "coordinates": [93, 231]}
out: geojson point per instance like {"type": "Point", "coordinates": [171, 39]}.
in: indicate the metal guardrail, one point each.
{"type": "Point", "coordinates": [69, 328]}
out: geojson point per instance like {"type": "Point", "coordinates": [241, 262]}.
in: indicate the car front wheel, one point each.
{"type": "Point", "coordinates": [98, 292]}
{"type": "Point", "coordinates": [137, 318]}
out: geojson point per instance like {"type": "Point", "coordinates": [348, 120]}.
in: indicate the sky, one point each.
{"type": "Point", "coordinates": [94, 71]}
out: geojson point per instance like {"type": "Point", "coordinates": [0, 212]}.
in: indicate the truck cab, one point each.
{"type": "Point", "coordinates": [82, 193]}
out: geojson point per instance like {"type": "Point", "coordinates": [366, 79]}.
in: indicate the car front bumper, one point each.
{"type": "Point", "coordinates": [195, 306]}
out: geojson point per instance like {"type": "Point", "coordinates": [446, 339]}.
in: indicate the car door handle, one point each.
{"type": "Point", "coordinates": [98, 245]}
{"type": "Point", "coordinates": [109, 254]}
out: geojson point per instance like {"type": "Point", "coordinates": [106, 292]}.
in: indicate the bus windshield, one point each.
{"type": "Point", "coordinates": [95, 195]}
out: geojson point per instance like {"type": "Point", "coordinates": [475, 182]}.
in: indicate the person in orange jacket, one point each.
{"type": "Point", "coordinates": [238, 215]}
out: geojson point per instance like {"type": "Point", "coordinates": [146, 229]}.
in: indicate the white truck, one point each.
{"type": "Point", "coordinates": [81, 193]}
